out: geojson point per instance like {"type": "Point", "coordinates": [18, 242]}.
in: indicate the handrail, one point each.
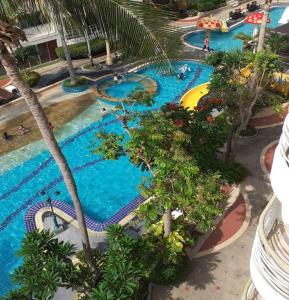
{"type": "Point", "coordinates": [249, 292]}
{"type": "Point", "coordinates": [264, 239]}
{"type": "Point", "coordinates": [285, 140]}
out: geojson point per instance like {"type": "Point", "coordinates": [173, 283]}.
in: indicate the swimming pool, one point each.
{"type": "Point", "coordinates": [104, 186]}
{"type": "Point", "coordinates": [225, 41]}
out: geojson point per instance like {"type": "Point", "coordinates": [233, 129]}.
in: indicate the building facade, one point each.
{"type": "Point", "coordinates": [269, 263]}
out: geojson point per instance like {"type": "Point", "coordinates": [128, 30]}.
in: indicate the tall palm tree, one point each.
{"type": "Point", "coordinates": [116, 20]}
{"type": "Point", "coordinates": [263, 27]}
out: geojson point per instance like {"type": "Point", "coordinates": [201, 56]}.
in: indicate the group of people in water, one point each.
{"type": "Point", "coordinates": [118, 78]}
{"type": "Point", "coordinates": [183, 70]}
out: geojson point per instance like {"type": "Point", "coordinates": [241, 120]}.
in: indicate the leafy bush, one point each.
{"type": "Point", "coordinates": [81, 81]}
{"type": "Point", "coordinates": [23, 53]}
{"type": "Point", "coordinates": [231, 173]}
{"type": "Point", "coordinates": [78, 51]}
{"type": "Point", "coordinates": [125, 271]}
{"type": "Point", "coordinates": [31, 77]}
{"type": "Point", "coordinates": [206, 5]}
{"type": "Point", "coordinates": [171, 273]}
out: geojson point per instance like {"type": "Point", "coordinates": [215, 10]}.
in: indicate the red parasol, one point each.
{"type": "Point", "coordinates": [256, 18]}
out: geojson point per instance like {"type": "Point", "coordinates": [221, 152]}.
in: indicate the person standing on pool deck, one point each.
{"type": "Point", "coordinates": [207, 44]}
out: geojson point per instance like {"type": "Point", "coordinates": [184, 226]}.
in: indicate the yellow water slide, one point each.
{"type": "Point", "coordinates": [191, 98]}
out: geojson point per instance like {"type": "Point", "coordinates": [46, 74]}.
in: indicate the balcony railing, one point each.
{"type": "Point", "coordinates": [280, 169]}
{"type": "Point", "coordinates": [269, 272]}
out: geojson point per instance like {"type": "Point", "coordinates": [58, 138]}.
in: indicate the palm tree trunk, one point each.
{"type": "Point", "coordinates": [167, 218]}
{"type": "Point", "coordinates": [263, 28]}
{"type": "Point", "coordinates": [229, 144]}
{"type": "Point", "coordinates": [9, 63]}
{"type": "Point", "coordinates": [88, 48]}
{"type": "Point", "coordinates": [108, 53]}
{"type": "Point", "coordinates": [66, 53]}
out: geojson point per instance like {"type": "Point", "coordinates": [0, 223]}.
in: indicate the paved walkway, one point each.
{"type": "Point", "coordinates": [267, 117]}
{"type": "Point", "coordinates": [223, 14]}
{"type": "Point", "coordinates": [223, 275]}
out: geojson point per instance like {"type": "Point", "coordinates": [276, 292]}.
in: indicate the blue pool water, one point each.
{"type": "Point", "coordinates": [122, 90]}
{"type": "Point", "coordinates": [104, 186]}
{"type": "Point", "coordinates": [225, 41]}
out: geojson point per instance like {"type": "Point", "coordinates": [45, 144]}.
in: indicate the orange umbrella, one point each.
{"type": "Point", "coordinates": [209, 23]}
{"type": "Point", "coordinates": [256, 18]}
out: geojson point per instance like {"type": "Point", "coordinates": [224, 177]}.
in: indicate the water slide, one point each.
{"type": "Point", "coordinates": [191, 98]}
{"type": "Point", "coordinates": [285, 17]}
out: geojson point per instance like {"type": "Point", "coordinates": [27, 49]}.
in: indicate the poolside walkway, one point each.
{"type": "Point", "coordinates": [222, 13]}
{"type": "Point", "coordinates": [224, 273]}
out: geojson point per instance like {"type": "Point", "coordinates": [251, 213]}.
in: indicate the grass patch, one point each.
{"type": "Point", "coordinates": [81, 81]}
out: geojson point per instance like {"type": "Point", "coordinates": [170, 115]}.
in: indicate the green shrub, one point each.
{"type": "Point", "coordinates": [78, 51]}
{"type": "Point", "coordinates": [231, 173]}
{"type": "Point", "coordinates": [80, 82]}
{"type": "Point", "coordinates": [206, 5]}
{"type": "Point", "coordinates": [31, 77]}
{"type": "Point", "coordinates": [23, 53]}
{"type": "Point", "coordinates": [172, 273]}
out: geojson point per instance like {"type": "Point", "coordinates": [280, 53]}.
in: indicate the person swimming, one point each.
{"type": "Point", "coordinates": [185, 68]}
{"type": "Point", "coordinates": [181, 76]}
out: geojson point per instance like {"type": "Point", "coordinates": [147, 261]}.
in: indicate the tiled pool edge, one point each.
{"type": "Point", "coordinates": [94, 226]}
{"type": "Point", "coordinates": [184, 37]}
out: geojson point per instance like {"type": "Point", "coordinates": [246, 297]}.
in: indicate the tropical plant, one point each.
{"type": "Point", "coordinates": [166, 143]}
{"type": "Point", "coordinates": [262, 32]}
{"type": "Point", "coordinates": [138, 40]}
{"type": "Point", "coordinates": [127, 266]}
{"type": "Point", "coordinates": [47, 265]}
{"type": "Point", "coordinates": [79, 50]}
{"type": "Point", "coordinates": [277, 42]}
{"type": "Point", "coordinates": [241, 93]}
{"type": "Point", "coordinates": [31, 77]}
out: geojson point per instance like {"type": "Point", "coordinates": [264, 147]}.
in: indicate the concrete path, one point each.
{"type": "Point", "coordinates": [223, 275]}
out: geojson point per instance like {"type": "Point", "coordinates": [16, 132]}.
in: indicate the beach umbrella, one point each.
{"type": "Point", "coordinates": [209, 23]}
{"type": "Point", "coordinates": [256, 18]}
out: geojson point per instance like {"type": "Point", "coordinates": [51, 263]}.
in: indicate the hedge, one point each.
{"type": "Point", "coordinates": [31, 77]}
{"type": "Point", "coordinates": [78, 51]}
{"type": "Point", "coordinates": [207, 5]}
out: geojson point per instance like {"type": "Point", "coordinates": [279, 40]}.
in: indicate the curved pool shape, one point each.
{"type": "Point", "coordinates": [224, 41]}
{"type": "Point", "coordinates": [123, 89]}
{"type": "Point", "coordinates": [104, 186]}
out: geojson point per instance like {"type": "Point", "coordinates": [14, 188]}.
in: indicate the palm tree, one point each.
{"type": "Point", "coordinates": [263, 27]}
{"type": "Point", "coordinates": [113, 21]}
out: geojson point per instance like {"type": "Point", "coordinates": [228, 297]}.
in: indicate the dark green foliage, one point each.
{"type": "Point", "coordinates": [80, 82]}
{"type": "Point", "coordinates": [139, 96]}
{"type": "Point", "coordinates": [31, 77]}
{"type": "Point", "coordinates": [171, 273]}
{"type": "Point", "coordinates": [232, 172]}
{"type": "Point", "coordinates": [78, 51]}
{"type": "Point", "coordinates": [23, 53]}
{"type": "Point", "coordinates": [206, 5]}
{"type": "Point", "coordinates": [47, 265]}
{"type": "Point", "coordinates": [278, 43]}
{"type": "Point", "coordinates": [126, 267]}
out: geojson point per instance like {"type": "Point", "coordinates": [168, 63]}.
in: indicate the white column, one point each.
{"type": "Point", "coordinates": [108, 54]}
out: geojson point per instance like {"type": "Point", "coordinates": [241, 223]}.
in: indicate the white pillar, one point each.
{"type": "Point", "coordinates": [108, 54]}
